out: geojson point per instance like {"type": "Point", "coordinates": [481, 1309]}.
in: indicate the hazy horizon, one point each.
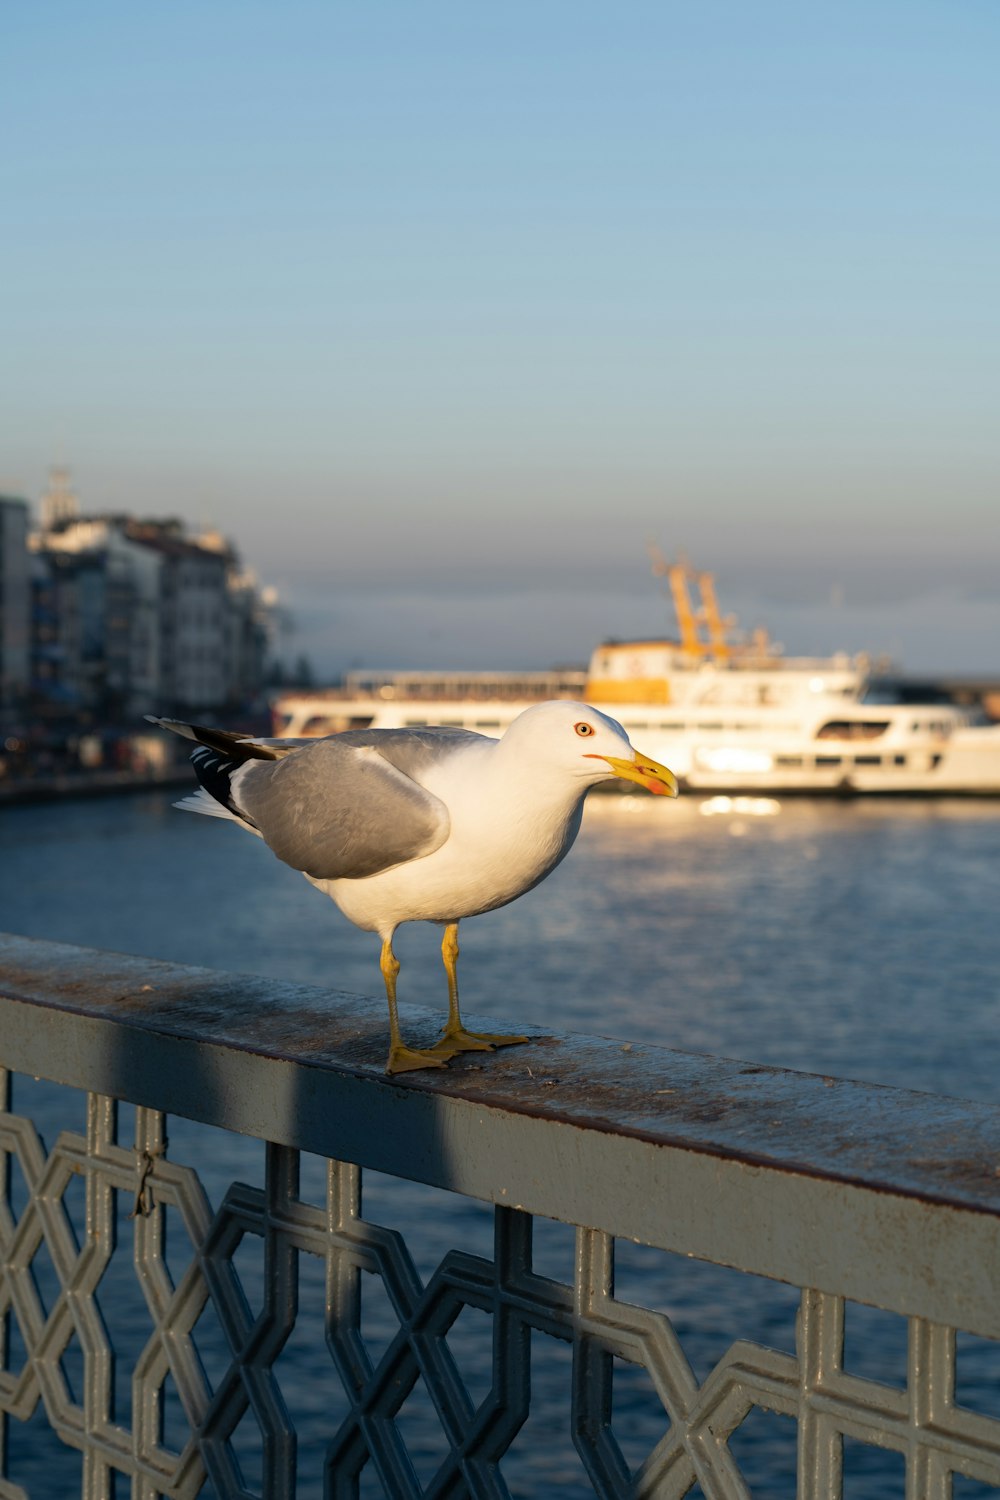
{"type": "Point", "coordinates": [443, 313]}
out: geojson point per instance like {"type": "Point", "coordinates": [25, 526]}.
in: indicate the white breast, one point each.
{"type": "Point", "coordinates": [508, 831]}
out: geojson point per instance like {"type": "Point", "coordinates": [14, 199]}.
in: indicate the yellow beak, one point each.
{"type": "Point", "coordinates": [648, 773]}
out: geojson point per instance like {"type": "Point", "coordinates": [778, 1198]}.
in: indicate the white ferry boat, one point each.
{"type": "Point", "coordinates": [724, 715]}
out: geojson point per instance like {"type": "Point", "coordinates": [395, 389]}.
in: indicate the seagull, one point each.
{"type": "Point", "coordinates": [428, 824]}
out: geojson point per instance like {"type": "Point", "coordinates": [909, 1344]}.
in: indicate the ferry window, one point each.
{"type": "Point", "coordinates": [416, 723]}
{"type": "Point", "coordinates": [868, 760]}
{"type": "Point", "coordinates": [635, 728]}
{"type": "Point", "coordinates": [676, 728]}
{"type": "Point", "coordinates": [829, 760]}
{"type": "Point", "coordinates": [318, 724]}
{"type": "Point", "coordinates": [788, 760]}
{"type": "Point", "coordinates": [712, 728]}
{"type": "Point", "coordinates": [899, 760]}
{"type": "Point", "coordinates": [487, 723]}
{"type": "Point", "coordinates": [853, 729]}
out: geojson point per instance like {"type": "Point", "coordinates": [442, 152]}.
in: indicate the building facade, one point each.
{"type": "Point", "coordinates": [15, 602]}
{"type": "Point", "coordinates": [194, 616]}
{"type": "Point", "coordinates": [133, 616]}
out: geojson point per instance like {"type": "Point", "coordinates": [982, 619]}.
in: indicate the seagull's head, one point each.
{"type": "Point", "coordinates": [587, 744]}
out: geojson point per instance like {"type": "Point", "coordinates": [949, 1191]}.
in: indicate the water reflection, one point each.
{"type": "Point", "coordinates": [856, 938]}
{"type": "Point", "coordinates": [851, 938]}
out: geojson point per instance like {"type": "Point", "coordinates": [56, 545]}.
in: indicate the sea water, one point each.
{"type": "Point", "coordinates": [855, 938]}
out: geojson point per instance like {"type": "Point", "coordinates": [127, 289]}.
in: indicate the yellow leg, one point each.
{"type": "Point", "coordinates": [403, 1059]}
{"type": "Point", "coordinates": [455, 1038]}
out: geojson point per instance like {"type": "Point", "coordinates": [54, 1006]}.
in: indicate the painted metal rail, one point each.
{"type": "Point", "coordinates": [852, 1193]}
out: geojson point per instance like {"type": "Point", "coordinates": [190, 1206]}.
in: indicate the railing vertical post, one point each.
{"type": "Point", "coordinates": [931, 1387]}
{"type": "Point", "coordinates": [512, 1237]}
{"type": "Point", "coordinates": [343, 1318]}
{"type": "Point", "coordinates": [281, 1301]}
{"type": "Point", "coordinates": [5, 1317]}
{"type": "Point", "coordinates": [148, 1239]}
{"type": "Point", "coordinates": [100, 1234]}
{"type": "Point", "coordinates": [820, 1339]}
{"type": "Point", "coordinates": [594, 1285]}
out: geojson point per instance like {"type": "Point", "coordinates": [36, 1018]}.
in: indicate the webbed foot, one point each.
{"type": "Point", "coordinates": [403, 1059]}
{"type": "Point", "coordinates": [458, 1039]}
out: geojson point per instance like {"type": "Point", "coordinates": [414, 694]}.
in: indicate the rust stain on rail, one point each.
{"type": "Point", "coordinates": [887, 1139]}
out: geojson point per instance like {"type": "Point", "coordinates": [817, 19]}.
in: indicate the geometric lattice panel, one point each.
{"type": "Point", "coordinates": [181, 1388]}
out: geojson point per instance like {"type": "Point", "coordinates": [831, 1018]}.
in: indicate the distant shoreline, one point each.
{"type": "Point", "coordinates": [64, 784]}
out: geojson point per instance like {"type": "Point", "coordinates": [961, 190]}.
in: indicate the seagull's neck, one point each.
{"type": "Point", "coordinates": [533, 790]}
{"type": "Point", "coordinates": [520, 788]}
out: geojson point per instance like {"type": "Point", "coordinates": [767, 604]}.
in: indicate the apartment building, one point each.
{"type": "Point", "coordinates": [15, 602]}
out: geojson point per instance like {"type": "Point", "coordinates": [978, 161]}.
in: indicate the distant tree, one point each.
{"type": "Point", "coordinates": [303, 675]}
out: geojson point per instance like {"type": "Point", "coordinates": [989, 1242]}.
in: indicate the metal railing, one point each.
{"type": "Point", "coordinates": [852, 1193]}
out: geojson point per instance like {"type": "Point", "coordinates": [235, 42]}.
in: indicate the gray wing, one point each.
{"type": "Point", "coordinates": [345, 807]}
{"type": "Point", "coordinates": [407, 749]}
{"type": "Point", "coordinates": [413, 750]}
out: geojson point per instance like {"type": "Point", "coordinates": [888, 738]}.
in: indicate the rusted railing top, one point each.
{"type": "Point", "coordinates": [748, 1165]}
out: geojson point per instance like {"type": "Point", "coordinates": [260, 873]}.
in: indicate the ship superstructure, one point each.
{"type": "Point", "coordinates": [726, 713]}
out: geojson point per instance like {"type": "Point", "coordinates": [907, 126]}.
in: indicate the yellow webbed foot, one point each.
{"type": "Point", "coordinates": [403, 1059]}
{"type": "Point", "coordinates": [460, 1040]}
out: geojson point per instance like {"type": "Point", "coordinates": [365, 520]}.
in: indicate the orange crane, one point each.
{"type": "Point", "coordinates": [679, 575]}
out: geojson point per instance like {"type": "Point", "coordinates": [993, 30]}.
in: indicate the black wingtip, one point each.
{"type": "Point", "coordinates": [235, 747]}
{"type": "Point", "coordinates": [214, 770]}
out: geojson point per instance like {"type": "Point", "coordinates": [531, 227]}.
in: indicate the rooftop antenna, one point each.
{"type": "Point", "coordinates": [59, 503]}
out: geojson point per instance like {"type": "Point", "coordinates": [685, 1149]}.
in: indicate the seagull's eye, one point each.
{"type": "Point", "coordinates": [583, 728]}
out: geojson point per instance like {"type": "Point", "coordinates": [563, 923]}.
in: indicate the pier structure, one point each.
{"type": "Point", "coordinates": [855, 1195]}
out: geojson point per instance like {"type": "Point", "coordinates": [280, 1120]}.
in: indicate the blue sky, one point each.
{"type": "Point", "coordinates": [443, 310]}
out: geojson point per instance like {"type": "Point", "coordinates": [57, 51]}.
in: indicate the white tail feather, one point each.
{"type": "Point", "coordinates": [202, 802]}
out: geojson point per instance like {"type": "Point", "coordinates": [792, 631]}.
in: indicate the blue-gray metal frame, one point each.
{"type": "Point", "coordinates": [81, 1014]}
